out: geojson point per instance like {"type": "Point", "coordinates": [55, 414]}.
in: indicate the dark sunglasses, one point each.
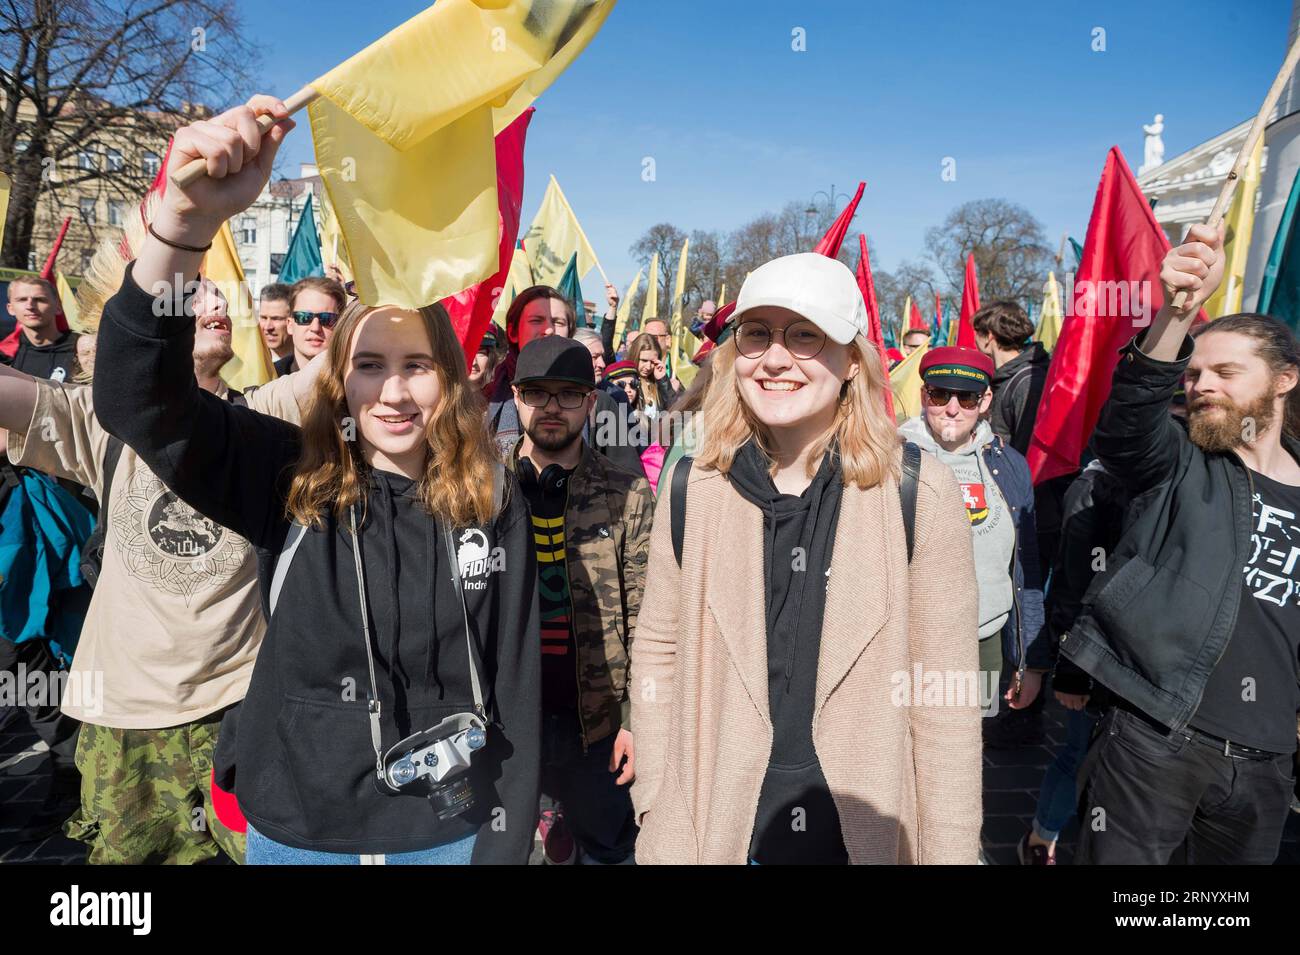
{"type": "Point", "coordinates": [540, 397]}
{"type": "Point", "coordinates": [939, 397]}
{"type": "Point", "coordinates": [327, 319]}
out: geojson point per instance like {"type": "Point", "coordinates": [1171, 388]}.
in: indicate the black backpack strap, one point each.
{"type": "Point", "coordinates": [681, 473]}
{"type": "Point", "coordinates": [92, 552]}
{"type": "Point", "coordinates": [907, 491]}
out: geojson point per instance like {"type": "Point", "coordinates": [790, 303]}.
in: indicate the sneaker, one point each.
{"type": "Point", "coordinates": [1013, 729]}
{"type": "Point", "coordinates": [558, 847]}
{"type": "Point", "coordinates": [1033, 855]}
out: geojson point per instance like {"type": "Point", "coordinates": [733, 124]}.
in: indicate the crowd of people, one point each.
{"type": "Point", "coordinates": [402, 605]}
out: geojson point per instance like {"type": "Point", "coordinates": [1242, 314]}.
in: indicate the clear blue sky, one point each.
{"type": "Point", "coordinates": [739, 124]}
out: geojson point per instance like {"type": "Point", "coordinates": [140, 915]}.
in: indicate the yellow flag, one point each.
{"type": "Point", "coordinates": [252, 362]}
{"type": "Point", "coordinates": [332, 248]}
{"type": "Point", "coordinates": [625, 309]}
{"type": "Point", "coordinates": [4, 203]}
{"type": "Point", "coordinates": [67, 298]}
{"type": "Point", "coordinates": [554, 237]}
{"type": "Point", "coordinates": [651, 307]}
{"type": "Point", "coordinates": [1240, 223]}
{"type": "Point", "coordinates": [679, 293]}
{"type": "Point", "coordinates": [404, 137]}
{"type": "Point", "coordinates": [1049, 324]}
{"type": "Point", "coordinates": [722, 299]}
{"type": "Point", "coordinates": [518, 278]}
{"type": "Point", "coordinates": [905, 382]}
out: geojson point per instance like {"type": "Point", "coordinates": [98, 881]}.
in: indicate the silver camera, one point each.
{"type": "Point", "coordinates": [437, 759]}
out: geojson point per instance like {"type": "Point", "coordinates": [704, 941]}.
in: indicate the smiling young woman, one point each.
{"type": "Point", "coordinates": [402, 609]}
{"type": "Point", "coordinates": [776, 639]}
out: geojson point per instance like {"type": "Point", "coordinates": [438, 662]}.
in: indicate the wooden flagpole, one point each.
{"type": "Point", "coordinates": [195, 169]}
{"type": "Point", "coordinates": [1248, 147]}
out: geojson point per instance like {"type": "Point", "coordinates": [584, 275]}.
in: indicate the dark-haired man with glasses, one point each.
{"type": "Point", "coordinates": [956, 393]}
{"type": "Point", "coordinates": [591, 524]}
{"type": "Point", "coordinates": [315, 306]}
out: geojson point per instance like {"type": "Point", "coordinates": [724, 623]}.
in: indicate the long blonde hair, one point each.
{"type": "Point", "coordinates": [868, 441]}
{"type": "Point", "coordinates": [460, 467]}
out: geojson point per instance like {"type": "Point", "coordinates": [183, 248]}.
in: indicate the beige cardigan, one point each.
{"type": "Point", "coordinates": [906, 780]}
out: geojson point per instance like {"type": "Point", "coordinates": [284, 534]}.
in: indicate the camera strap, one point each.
{"type": "Point", "coordinates": [373, 707]}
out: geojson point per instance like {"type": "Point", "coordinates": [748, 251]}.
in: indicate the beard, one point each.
{"type": "Point", "coordinates": [553, 441]}
{"type": "Point", "coordinates": [211, 353]}
{"type": "Point", "coordinates": [1228, 431]}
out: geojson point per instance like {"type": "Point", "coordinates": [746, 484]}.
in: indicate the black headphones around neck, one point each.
{"type": "Point", "coordinates": [550, 481]}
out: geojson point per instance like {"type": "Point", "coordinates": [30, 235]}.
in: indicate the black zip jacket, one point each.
{"type": "Point", "coordinates": [305, 766]}
{"type": "Point", "coordinates": [798, 540]}
{"type": "Point", "coordinates": [1017, 390]}
{"type": "Point", "coordinates": [1157, 619]}
{"type": "Point", "coordinates": [1093, 518]}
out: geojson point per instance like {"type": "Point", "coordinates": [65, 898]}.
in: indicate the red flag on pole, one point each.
{"type": "Point", "coordinates": [1116, 291]}
{"type": "Point", "coordinates": [876, 334]}
{"type": "Point", "coordinates": [471, 310]}
{"type": "Point", "coordinates": [830, 244]}
{"type": "Point", "coordinates": [970, 304]}
{"type": "Point", "coordinates": [914, 320]}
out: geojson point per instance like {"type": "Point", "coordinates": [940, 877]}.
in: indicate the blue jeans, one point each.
{"type": "Point", "coordinates": [1058, 798]}
{"type": "Point", "coordinates": [264, 851]}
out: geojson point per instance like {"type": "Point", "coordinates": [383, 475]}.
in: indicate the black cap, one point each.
{"type": "Point", "coordinates": [555, 358]}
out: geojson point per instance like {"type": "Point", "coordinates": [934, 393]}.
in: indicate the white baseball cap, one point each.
{"type": "Point", "coordinates": [819, 288]}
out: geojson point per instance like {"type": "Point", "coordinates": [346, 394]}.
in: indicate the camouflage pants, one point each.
{"type": "Point", "coordinates": [146, 796]}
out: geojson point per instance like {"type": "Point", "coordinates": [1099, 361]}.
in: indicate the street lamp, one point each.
{"type": "Point", "coordinates": [831, 197]}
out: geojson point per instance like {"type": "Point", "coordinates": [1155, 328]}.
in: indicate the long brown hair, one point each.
{"type": "Point", "coordinates": [459, 469]}
{"type": "Point", "coordinates": [867, 439]}
{"type": "Point", "coordinates": [1276, 345]}
{"type": "Point", "coordinates": [639, 344]}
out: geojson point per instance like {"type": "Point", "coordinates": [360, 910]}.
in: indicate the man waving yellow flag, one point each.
{"type": "Point", "coordinates": [404, 137]}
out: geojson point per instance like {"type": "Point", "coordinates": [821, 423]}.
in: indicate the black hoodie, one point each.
{"type": "Point", "coordinates": [796, 821]}
{"type": "Point", "coordinates": [305, 765]}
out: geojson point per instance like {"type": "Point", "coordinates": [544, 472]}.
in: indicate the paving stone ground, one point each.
{"type": "Point", "coordinates": [1011, 782]}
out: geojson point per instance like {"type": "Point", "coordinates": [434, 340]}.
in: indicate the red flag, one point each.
{"type": "Point", "coordinates": [830, 244]}
{"type": "Point", "coordinates": [970, 304]}
{"type": "Point", "coordinates": [914, 320]}
{"type": "Point", "coordinates": [1124, 245]}
{"type": "Point", "coordinates": [471, 310]}
{"type": "Point", "coordinates": [876, 334]}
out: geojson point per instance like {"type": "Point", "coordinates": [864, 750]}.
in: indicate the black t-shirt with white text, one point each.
{"type": "Point", "coordinates": [1254, 693]}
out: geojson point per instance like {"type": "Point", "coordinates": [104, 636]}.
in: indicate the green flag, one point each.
{"type": "Point", "coordinates": [1279, 291]}
{"type": "Point", "coordinates": [303, 258]}
{"type": "Point", "coordinates": [570, 289]}
{"type": "Point", "coordinates": [1078, 253]}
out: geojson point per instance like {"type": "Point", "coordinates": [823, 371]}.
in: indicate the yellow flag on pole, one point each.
{"type": "Point", "coordinates": [252, 362]}
{"type": "Point", "coordinates": [404, 137]}
{"type": "Point", "coordinates": [333, 250]}
{"type": "Point", "coordinates": [625, 310]}
{"type": "Point", "coordinates": [1239, 224]}
{"type": "Point", "coordinates": [1049, 323]}
{"type": "Point", "coordinates": [905, 382]}
{"type": "Point", "coordinates": [651, 307]}
{"type": "Point", "coordinates": [555, 237]}
{"type": "Point", "coordinates": [722, 298]}
{"type": "Point", "coordinates": [679, 292]}
{"type": "Point", "coordinates": [67, 298]}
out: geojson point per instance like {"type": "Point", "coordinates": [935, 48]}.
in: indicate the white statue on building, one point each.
{"type": "Point", "coordinates": [1154, 150]}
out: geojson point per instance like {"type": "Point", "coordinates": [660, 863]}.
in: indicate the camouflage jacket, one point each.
{"type": "Point", "coordinates": [607, 544]}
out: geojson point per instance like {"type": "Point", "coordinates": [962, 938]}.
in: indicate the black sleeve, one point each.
{"type": "Point", "coordinates": [607, 328]}
{"type": "Point", "coordinates": [516, 690]}
{"type": "Point", "coordinates": [229, 463]}
{"type": "Point", "coordinates": [1136, 439]}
